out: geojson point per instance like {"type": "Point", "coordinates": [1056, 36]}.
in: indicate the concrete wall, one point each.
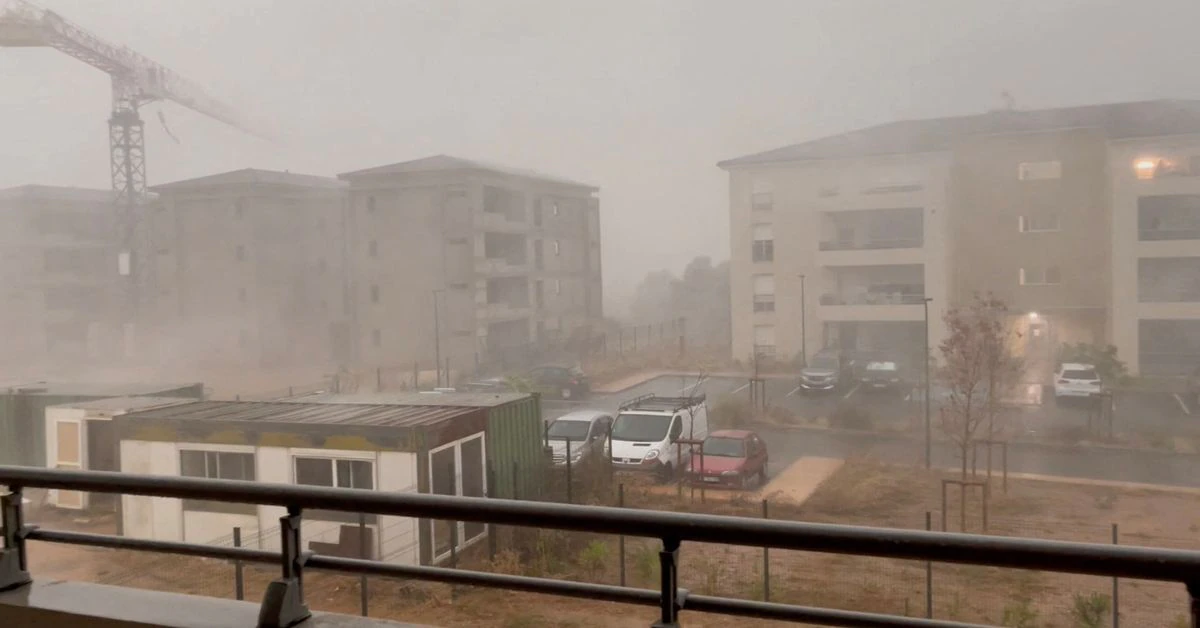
{"type": "Point", "coordinates": [802, 194]}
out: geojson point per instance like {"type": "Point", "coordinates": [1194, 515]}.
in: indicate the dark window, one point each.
{"type": "Point", "coordinates": [764, 251]}
{"type": "Point", "coordinates": [370, 203]}
{"type": "Point", "coordinates": [376, 338]}
{"type": "Point", "coordinates": [217, 465]}
{"type": "Point", "coordinates": [372, 248]}
{"type": "Point", "coordinates": [335, 473]}
{"type": "Point", "coordinates": [374, 294]}
{"type": "Point", "coordinates": [241, 253]}
{"type": "Point", "coordinates": [239, 208]}
{"type": "Point", "coordinates": [241, 295]}
{"type": "Point", "coordinates": [762, 200]}
{"type": "Point", "coordinates": [764, 303]}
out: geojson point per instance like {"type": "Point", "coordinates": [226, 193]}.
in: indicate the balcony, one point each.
{"type": "Point", "coordinates": [871, 244]}
{"type": "Point", "coordinates": [500, 266]}
{"type": "Point", "coordinates": [498, 222]}
{"type": "Point", "coordinates": [284, 602]}
{"type": "Point", "coordinates": [879, 303]}
{"type": "Point", "coordinates": [504, 311]}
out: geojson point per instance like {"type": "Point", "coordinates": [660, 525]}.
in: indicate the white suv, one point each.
{"type": "Point", "coordinates": [1076, 380]}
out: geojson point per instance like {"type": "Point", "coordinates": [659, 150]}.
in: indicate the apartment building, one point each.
{"type": "Point", "coordinates": [1084, 220]}
{"type": "Point", "coordinates": [249, 269]}
{"type": "Point", "coordinates": [57, 276]}
{"type": "Point", "coordinates": [508, 259]}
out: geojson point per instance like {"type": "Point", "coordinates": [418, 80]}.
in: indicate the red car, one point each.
{"type": "Point", "coordinates": [731, 458]}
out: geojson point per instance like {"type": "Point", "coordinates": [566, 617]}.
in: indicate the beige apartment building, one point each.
{"type": "Point", "coordinates": [508, 258]}
{"type": "Point", "coordinates": [249, 269]}
{"type": "Point", "coordinates": [1084, 220]}
{"type": "Point", "coordinates": [58, 275]}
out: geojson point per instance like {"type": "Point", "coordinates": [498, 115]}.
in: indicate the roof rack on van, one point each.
{"type": "Point", "coordinates": [663, 404]}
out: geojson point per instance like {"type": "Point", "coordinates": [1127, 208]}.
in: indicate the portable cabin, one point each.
{"type": "Point", "coordinates": [23, 411]}
{"type": "Point", "coordinates": [373, 444]}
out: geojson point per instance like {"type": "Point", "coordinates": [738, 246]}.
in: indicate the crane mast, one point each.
{"type": "Point", "coordinates": [136, 81]}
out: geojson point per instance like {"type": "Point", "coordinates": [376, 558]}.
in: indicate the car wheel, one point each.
{"type": "Point", "coordinates": [565, 393]}
{"type": "Point", "coordinates": [665, 473]}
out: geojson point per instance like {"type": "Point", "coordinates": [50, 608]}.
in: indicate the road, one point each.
{"type": "Point", "coordinates": [787, 445]}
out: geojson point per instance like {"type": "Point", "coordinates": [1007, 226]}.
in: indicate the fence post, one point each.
{"type": "Point", "coordinates": [1116, 599]}
{"type": "Point", "coordinates": [929, 571]}
{"type": "Point", "coordinates": [379, 379]}
{"type": "Point", "coordinates": [453, 539]}
{"type": "Point", "coordinates": [239, 583]}
{"type": "Point", "coordinates": [416, 376]}
{"type": "Point", "coordinates": [363, 552]}
{"type": "Point", "coordinates": [766, 562]}
{"type": "Point", "coordinates": [291, 391]}
{"type": "Point", "coordinates": [635, 338]}
{"type": "Point", "coordinates": [621, 539]}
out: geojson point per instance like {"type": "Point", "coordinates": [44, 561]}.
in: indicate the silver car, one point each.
{"type": "Point", "coordinates": [584, 430]}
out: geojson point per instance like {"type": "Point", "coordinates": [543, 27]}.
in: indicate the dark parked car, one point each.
{"type": "Point", "coordinates": [564, 382]}
{"type": "Point", "coordinates": [882, 374]}
{"type": "Point", "coordinates": [731, 458]}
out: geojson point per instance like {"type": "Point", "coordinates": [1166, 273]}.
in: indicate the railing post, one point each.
{"type": "Point", "coordinates": [239, 580]}
{"type": "Point", "coordinates": [14, 568]}
{"type": "Point", "coordinates": [929, 571]}
{"type": "Point", "coordinates": [621, 539]}
{"type": "Point", "coordinates": [491, 491]}
{"type": "Point", "coordinates": [570, 494]}
{"type": "Point", "coordinates": [1193, 589]}
{"type": "Point", "coordinates": [766, 558]}
{"type": "Point", "coordinates": [283, 603]}
{"type": "Point", "coordinates": [365, 554]}
{"type": "Point", "coordinates": [1116, 589]}
{"type": "Point", "coordinates": [672, 597]}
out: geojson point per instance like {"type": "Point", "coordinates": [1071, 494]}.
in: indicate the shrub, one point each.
{"type": "Point", "coordinates": [731, 412]}
{"type": "Point", "coordinates": [594, 557]}
{"type": "Point", "coordinates": [1090, 610]}
{"type": "Point", "coordinates": [1019, 614]}
{"type": "Point", "coordinates": [850, 416]}
{"type": "Point", "coordinates": [1104, 357]}
{"type": "Point", "coordinates": [645, 564]}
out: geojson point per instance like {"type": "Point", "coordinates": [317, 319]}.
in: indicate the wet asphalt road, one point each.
{"type": "Point", "coordinates": [787, 445]}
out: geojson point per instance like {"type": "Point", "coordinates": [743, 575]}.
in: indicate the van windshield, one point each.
{"type": "Point", "coordinates": [647, 428]}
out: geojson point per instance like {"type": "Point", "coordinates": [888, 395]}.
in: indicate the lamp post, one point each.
{"type": "Point", "coordinates": [437, 339]}
{"type": "Point", "coordinates": [803, 327]}
{"type": "Point", "coordinates": [928, 424]}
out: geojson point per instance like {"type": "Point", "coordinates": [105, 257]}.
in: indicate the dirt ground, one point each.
{"type": "Point", "coordinates": [861, 492]}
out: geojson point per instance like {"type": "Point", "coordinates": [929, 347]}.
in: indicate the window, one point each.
{"type": "Point", "coordinates": [764, 293]}
{"type": "Point", "coordinates": [457, 469]}
{"type": "Point", "coordinates": [459, 285]}
{"type": "Point", "coordinates": [1034, 224]}
{"type": "Point", "coordinates": [557, 248]}
{"type": "Point", "coordinates": [1040, 276]}
{"type": "Point", "coordinates": [321, 265]}
{"type": "Point", "coordinates": [241, 295]}
{"type": "Point", "coordinates": [374, 294]}
{"type": "Point", "coordinates": [764, 340]}
{"type": "Point", "coordinates": [539, 293]}
{"type": "Point", "coordinates": [239, 208]}
{"type": "Point", "coordinates": [372, 249]}
{"type": "Point", "coordinates": [554, 205]}
{"type": "Point", "coordinates": [335, 473]}
{"type": "Point", "coordinates": [764, 243]}
{"type": "Point", "coordinates": [240, 252]}
{"type": "Point", "coordinates": [1039, 170]}
{"type": "Point", "coordinates": [376, 338]}
{"type": "Point", "coordinates": [762, 201]}
{"type": "Point", "coordinates": [828, 192]}
{"type": "Point", "coordinates": [371, 203]}
{"type": "Point", "coordinates": [557, 286]}
{"type": "Point", "coordinates": [217, 465]}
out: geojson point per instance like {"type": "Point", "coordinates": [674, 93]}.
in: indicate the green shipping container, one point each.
{"type": "Point", "coordinates": [23, 411]}
{"type": "Point", "coordinates": [516, 452]}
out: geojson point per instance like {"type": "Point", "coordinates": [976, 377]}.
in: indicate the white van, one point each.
{"type": "Point", "coordinates": [657, 434]}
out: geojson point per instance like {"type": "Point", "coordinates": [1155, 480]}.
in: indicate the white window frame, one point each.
{"type": "Point", "coordinates": [1023, 277]}
{"type": "Point", "coordinates": [1024, 225]}
{"type": "Point", "coordinates": [557, 248]}
{"type": "Point", "coordinates": [762, 201]}
{"type": "Point", "coordinates": [463, 542]}
{"type": "Point", "coordinates": [333, 455]}
{"type": "Point", "coordinates": [1047, 170]}
{"type": "Point", "coordinates": [558, 286]}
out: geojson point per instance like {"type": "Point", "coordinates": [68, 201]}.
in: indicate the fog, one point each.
{"type": "Point", "coordinates": [640, 99]}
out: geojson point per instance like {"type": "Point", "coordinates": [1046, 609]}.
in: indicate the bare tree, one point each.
{"type": "Point", "coordinates": [979, 368]}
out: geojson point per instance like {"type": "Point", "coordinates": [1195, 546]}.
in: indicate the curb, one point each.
{"type": "Point", "coordinates": [901, 436]}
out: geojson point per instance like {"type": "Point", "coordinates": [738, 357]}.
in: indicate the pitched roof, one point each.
{"type": "Point", "coordinates": [440, 163]}
{"type": "Point", "coordinates": [1119, 121]}
{"type": "Point", "coordinates": [253, 176]}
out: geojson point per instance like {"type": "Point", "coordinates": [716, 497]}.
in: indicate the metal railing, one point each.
{"type": "Point", "coordinates": [283, 604]}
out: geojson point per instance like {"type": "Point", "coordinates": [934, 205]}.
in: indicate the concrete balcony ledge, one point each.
{"type": "Point", "coordinates": [54, 604]}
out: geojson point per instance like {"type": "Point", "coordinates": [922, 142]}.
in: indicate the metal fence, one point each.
{"type": "Point", "coordinates": [677, 577]}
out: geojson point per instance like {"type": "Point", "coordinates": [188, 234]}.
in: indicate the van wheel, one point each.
{"type": "Point", "coordinates": [665, 473]}
{"type": "Point", "coordinates": [565, 393]}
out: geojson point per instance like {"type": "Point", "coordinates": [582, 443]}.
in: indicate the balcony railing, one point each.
{"type": "Point", "coordinates": [872, 244]}
{"type": "Point", "coordinates": [1155, 235]}
{"type": "Point", "coordinates": [874, 298]}
{"type": "Point", "coordinates": [283, 603]}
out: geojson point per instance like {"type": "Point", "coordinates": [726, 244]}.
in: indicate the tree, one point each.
{"type": "Point", "coordinates": [979, 369]}
{"type": "Point", "coordinates": [1111, 369]}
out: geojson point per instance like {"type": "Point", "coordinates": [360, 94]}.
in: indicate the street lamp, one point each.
{"type": "Point", "coordinates": [803, 327]}
{"type": "Point", "coordinates": [928, 424]}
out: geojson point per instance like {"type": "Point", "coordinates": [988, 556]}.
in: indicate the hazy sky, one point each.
{"type": "Point", "coordinates": [640, 97]}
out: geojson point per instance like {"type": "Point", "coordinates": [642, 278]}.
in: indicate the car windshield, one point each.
{"type": "Point", "coordinates": [882, 366]}
{"type": "Point", "coordinates": [1080, 374]}
{"type": "Point", "coordinates": [824, 363]}
{"type": "Point", "coordinates": [725, 447]}
{"type": "Point", "coordinates": [641, 427]}
{"type": "Point", "coordinates": [568, 430]}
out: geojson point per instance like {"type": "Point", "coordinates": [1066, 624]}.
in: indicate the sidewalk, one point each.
{"type": "Point", "coordinates": [633, 380]}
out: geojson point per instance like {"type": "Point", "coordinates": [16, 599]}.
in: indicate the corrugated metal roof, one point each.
{"type": "Point", "coordinates": [439, 163]}
{"type": "Point", "coordinates": [124, 404]}
{"type": "Point", "coordinates": [449, 399]}
{"type": "Point", "coordinates": [1118, 120]}
{"type": "Point", "coordinates": [298, 413]}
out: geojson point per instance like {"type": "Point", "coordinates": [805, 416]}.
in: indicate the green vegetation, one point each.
{"type": "Point", "coordinates": [1111, 369]}
{"type": "Point", "coordinates": [1090, 610]}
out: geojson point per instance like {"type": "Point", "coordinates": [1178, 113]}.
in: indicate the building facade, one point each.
{"type": "Point", "coordinates": [1085, 221]}
{"type": "Point", "coordinates": [509, 261]}
{"type": "Point", "coordinates": [58, 276]}
{"type": "Point", "coordinates": [249, 269]}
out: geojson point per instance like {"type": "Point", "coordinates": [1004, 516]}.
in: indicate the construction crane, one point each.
{"type": "Point", "coordinates": [136, 81]}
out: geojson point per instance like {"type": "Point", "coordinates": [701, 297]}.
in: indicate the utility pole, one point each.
{"type": "Point", "coordinates": [928, 424]}
{"type": "Point", "coordinates": [803, 327]}
{"type": "Point", "coordinates": [437, 339]}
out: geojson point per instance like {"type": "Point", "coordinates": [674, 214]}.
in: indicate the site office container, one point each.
{"type": "Point", "coordinates": [408, 439]}
{"type": "Point", "coordinates": [23, 411]}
